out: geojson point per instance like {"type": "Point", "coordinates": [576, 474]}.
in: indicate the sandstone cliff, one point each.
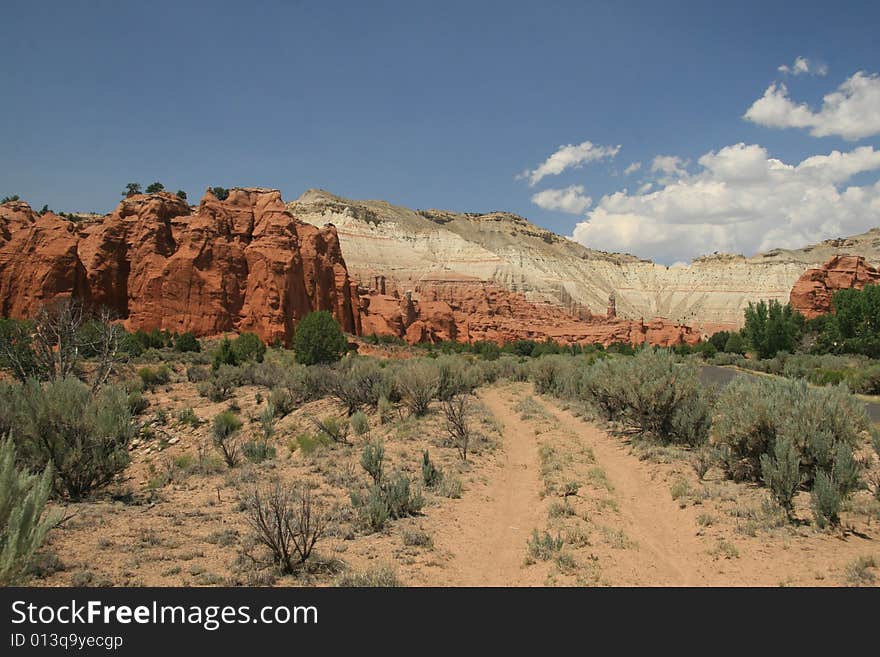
{"type": "Point", "coordinates": [438, 310]}
{"type": "Point", "coordinates": [242, 264]}
{"type": "Point", "coordinates": [813, 293]}
{"type": "Point", "coordinates": [409, 246]}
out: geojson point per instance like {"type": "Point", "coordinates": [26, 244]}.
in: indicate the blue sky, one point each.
{"type": "Point", "coordinates": [430, 104]}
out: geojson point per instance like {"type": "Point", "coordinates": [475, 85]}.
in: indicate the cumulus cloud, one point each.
{"type": "Point", "coordinates": [571, 199]}
{"type": "Point", "coordinates": [567, 157]}
{"type": "Point", "coordinates": [803, 66]}
{"type": "Point", "coordinates": [671, 165]}
{"type": "Point", "coordinates": [740, 200]}
{"type": "Point", "coordinates": [851, 112]}
{"type": "Point", "coordinates": [632, 168]}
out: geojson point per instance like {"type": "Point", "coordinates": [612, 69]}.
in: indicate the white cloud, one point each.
{"type": "Point", "coordinates": [803, 66]}
{"type": "Point", "coordinates": [632, 168]}
{"type": "Point", "coordinates": [851, 112]}
{"type": "Point", "coordinates": [671, 165]}
{"type": "Point", "coordinates": [569, 156]}
{"type": "Point", "coordinates": [571, 199]}
{"type": "Point", "coordinates": [740, 200]}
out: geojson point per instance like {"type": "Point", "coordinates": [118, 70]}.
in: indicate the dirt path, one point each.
{"type": "Point", "coordinates": [486, 532]}
{"type": "Point", "coordinates": [622, 528]}
{"type": "Point", "coordinates": [670, 553]}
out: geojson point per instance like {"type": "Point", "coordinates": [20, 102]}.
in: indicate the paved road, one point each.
{"type": "Point", "coordinates": [721, 376]}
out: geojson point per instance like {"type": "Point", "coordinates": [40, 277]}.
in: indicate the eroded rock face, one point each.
{"type": "Point", "coordinates": [813, 293]}
{"type": "Point", "coordinates": [242, 264]}
{"type": "Point", "coordinates": [468, 312]}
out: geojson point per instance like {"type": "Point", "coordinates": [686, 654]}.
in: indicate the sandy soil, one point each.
{"type": "Point", "coordinates": [605, 510]}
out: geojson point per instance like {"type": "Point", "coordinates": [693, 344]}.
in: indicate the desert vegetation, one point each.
{"type": "Point", "coordinates": [229, 461]}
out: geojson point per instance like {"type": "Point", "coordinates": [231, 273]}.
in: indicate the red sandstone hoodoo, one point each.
{"type": "Point", "coordinates": [247, 264]}
{"type": "Point", "coordinates": [813, 293]}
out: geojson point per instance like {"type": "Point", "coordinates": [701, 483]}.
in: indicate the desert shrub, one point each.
{"type": "Point", "coordinates": [384, 410]}
{"type": "Point", "coordinates": [24, 521]}
{"type": "Point", "coordinates": [454, 376]}
{"type": "Point", "coordinates": [319, 339]}
{"type": "Point", "coordinates": [197, 373]}
{"type": "Point", "coordinates": [248, 347]}
{"type": "Point", "coordinates": [545, 372]}
{"type": "Point", "coordinates": [418, 381]}
{"type": "Point", "coordinates": [372, 460]}
{"type": "Point", "coordinates": [188, 417]}
{"type": "Point", "coordinates": [355, 384]}
{"type": "Point", "coordinates": [360, 424]}
{"type": "Point", "coordinates": [288, 524]}
{"type": "Point", "coordinates": [544, 547]}
{"type": "Point", "coordinates": [307, 443]}
{"type": "Point", "coordinates": [224, 433]}
{"type": "Point", "coordinates": [84, 435]}
{"type": "Point", "coordinates": [781, 472]}
{"type": "Point", "coordinates": [825, 500]}
{"type": "Point", "coordinates": [151, 377]}
{"type": "Point", "coordinates": [457, 412]}
{"type": "Point", "coordinates": [281, 401]}
{"type": "Point", "coordinates": [512, 369]}
{"type": "Point", "coordinates": [754, 413]}
{"type": "Point", "coordinates": [257, 450]}
{"type": "Point", "coordinates": [372, 508]}
{"type": "Point", "coordinates": [450, 486]}
{"type": "Point", "coordinates": [400, 496]}
{"type": "Point", "coordinates": [652, 393]}
{"type": "Point", "coordinates": [136, 402]}
{"type": "Point", "coordinates": [334, 429]}
{"type": "Point", "coordinates": [187, 342]}
{"type": "Point", "coordinates": [379, 576]}
{"type": "Point", "coordinates": [220, 385]}
{"type": "Point", "coordinates": [431, 475]}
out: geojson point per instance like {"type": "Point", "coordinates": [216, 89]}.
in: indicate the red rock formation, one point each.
{"type": "Point", "coordinates": [242, 264]}
{"type": "Point", "coordinates": [812, 294]}
{"type": "Point", "coordinates": [470, 311]}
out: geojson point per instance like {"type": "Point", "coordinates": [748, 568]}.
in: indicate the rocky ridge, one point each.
{"type": "Point", "coordinates": [410, 246]}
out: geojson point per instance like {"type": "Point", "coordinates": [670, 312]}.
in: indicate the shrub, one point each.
{"type": "Point", "coordinates": [224, 432]}
{"type": "Point", "coordinates": [544, 547]}
{"type": "Point", "coordinates": [187, 342]}
{"type": "Point", "coordinates": [360, 424]}
{"type": "Point", "coordinates": [281, 402]}
{"type": "Point", "coordinates": [400, 497]}
{"type": "Point", "coordinates": [356, 384]}
{"type": "Point", "coordinates": [652, 393]}
{"type": "Point", "coordinates": [151, 377]}
{"type": "Point", "coordinates": [220, 385]}
{"type": "Point", "coordinates": [84, 435]}
{"type": "Point", "coordinates": [23, 520]}
{"type": "Point", "coordinates": [334, 429]}
{"type": "Point", "coordinates": [457, 412]}
{"type": "Point", "coordinates": [418, 381]}
{"type": "Point", "coordinates": [825, 500]}
{"type": "Point", "coordinates": [257, 451]}
{"type": "Point", "coordinates": [454, 376]}
{"type": "Point", "coordinates": [781, 472]}
{"type": "Point", "coordinates": [753, 413]}
{"type": "Point", "coordinates": [372, 509]}
{"type": "Point", "coordinates": [319, 339]}
{"type": "Point", "coordinates": [221, 193]}
{"type": "Point", "coordinates": [431, 475]}
{"type": "Point", "coordinates": [372, 577]}
{"type": "Point", "coordinates": [372, 459]}
{"type": "Point", "coordinates": [248, 347]}
{"type": "Point", "coordinates": [288, 524]}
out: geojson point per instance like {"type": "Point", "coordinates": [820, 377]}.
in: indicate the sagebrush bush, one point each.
{"type": "Point", "coordinates": [781, 472]}
{"type": "Point", "coordinates": [287, 523]}
{"type": "Point", "coordinates": [401, 497]}
{"type": "Point", "coordinates": [360, 424]}
{"type": "Point", "coordinates": [151, 377]}
{"type": "Point", "coordinates": [753, 413]}
{"type": "Point", "coordinates": [457, 411]}
{"type": "Point", "coordinates": [355, 383]}
{"type": "Point", "coordinates": [84, 435]}
{"type": "Point", "coordinates": [24, 521]}
{"type": "Point", "coordinates": [431, 475]}
{"type": "Point", "coordinates": [224, 433]}
{"type": "Point", "coordinates": [825, 500]}
{"type": "Point", "coordinates": [419, 381]}
{"type": "Point", "coordinates": [455, 376]}
{"type": "Point", "coordinates": [372, 460]}
{"type": "Point", "coordinates": [652, 393]}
